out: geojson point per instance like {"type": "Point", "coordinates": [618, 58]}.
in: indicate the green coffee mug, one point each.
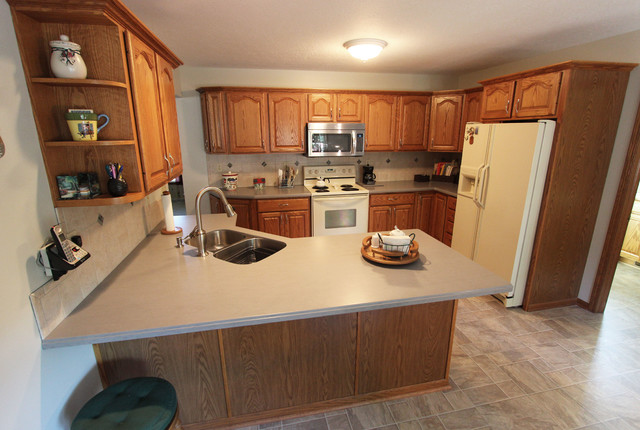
{"type": "Point", "coordinates": [84, 125]}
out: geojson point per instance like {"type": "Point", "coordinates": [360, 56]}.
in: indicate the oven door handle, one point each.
{"type": "Point", "coordinates": [341, 198]}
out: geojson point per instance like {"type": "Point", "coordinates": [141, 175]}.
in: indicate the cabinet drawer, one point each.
{"type": "Point", "coordinates": [447, 239]}
{"type": "Point", "coordinates": [392, 199]}
{"type": "Point", "coordinates": [448, 227]}
{"type": "Point", "coordinates": [272, 205]}
{"type": "Point", "coordinates": [451, 203]}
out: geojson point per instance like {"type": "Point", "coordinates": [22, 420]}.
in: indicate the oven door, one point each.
{"type": "Point", "coordinates": [339, 214]}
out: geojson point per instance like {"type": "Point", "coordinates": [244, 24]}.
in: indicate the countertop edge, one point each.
{"type": "Point", "coordinates": [167, 331]}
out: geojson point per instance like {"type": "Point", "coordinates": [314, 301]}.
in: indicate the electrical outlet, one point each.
{"type": "Point", "coordinates": [218, 167]}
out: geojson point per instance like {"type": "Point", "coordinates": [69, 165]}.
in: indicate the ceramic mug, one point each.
{"type": "Point", "coordinates": [230, 180]}
{"type": "Point", "coordinates": [84, 125]}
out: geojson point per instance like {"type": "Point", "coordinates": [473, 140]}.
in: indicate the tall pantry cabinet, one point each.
{"type": "Point", "coordinates": [129, 78]}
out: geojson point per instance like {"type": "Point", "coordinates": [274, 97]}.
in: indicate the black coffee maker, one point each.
{"type": "Point", "coordinates": [368, 177]}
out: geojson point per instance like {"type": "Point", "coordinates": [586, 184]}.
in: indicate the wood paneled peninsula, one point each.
{"type": "Point", "coordinates": [313, 327]}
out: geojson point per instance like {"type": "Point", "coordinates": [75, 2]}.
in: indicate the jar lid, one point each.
{"type": "Point", "coordinates": [229, 174]}
{"type": "Point", "coordinates": [64, 43]}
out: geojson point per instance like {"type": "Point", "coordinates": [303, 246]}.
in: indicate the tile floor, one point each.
{"type": "Point", "coordinates": [562, 368]}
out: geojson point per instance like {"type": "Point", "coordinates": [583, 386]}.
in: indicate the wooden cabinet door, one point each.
{"type": "Point", "coordinates": [321, 107]}
{"type": "Point", "coordinates": [213, 122]}
{"type": "Point", "coordinates": [169, 116]}
{"type": "Point", "coordinates": [287, 121]}
{"type": "Point", "coordinates": [271, 222]}
{"type": "Point", "coordinates": [243, 212]}
{"type": "Point", "coordinates": [297, 223]}
{"type": "Point", "coordinates": [247, 119]}
{"type": "Point", "coordinates": [471, 112]}
{"type": "Point", "coordinates": [403, 216]}
{"type": "Point", "coordinates": [349, 107]}
{"type": "Point", "coordinates": [438, 215]}
{"type": "Point", "coordinates": [423, 211]}
{"type": "Point", "coordinates": [380, 119]}
{"type": "Point", "coordinates": [496, 101]}
{"type": "Point", "coordinates": [444, 126]}
{"type": "Point", "coordinates": [450, 216]}
{"type": "Point", "coordinates": [537, 96]}
{"type": "Point", "coordinates": [380, 218]}
{"type": "Point", "coordinates": [413, 125]}
{"type": "Point", "coordinates": [146, 99]}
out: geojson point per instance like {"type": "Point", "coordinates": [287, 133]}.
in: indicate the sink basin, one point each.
{"type": "Point", "coordinates": [250, 250]}
{"type": "Point", "coordinates": [216, 240]}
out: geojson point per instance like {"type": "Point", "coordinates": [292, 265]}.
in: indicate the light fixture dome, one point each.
{"type": "Point", "coordinates": [365, 49]}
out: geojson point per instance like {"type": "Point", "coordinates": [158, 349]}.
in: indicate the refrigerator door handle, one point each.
{"type": "Point", "coordinates": [483, 182]}
{"type": "Point", "coordinates": [477, 184]}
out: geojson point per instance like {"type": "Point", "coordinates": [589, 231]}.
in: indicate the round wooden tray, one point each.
{"type": "Point", "coordinates": [379, 255]}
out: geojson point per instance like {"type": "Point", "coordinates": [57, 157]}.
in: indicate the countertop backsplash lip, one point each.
{"type": "Point", "coordinates": [124, 225]}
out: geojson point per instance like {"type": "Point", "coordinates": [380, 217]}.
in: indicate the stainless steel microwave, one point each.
{"type": "Point", "coordinates": [335, 139]}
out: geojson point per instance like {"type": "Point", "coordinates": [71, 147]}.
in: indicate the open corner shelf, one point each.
{"type": "Point", "coordinates": [101, 200]}
{"type": "Point", "coordinates": [60, 82]}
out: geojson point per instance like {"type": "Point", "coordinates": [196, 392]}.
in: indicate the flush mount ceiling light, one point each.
{"type": "Point", "coordinates": [365, 49]}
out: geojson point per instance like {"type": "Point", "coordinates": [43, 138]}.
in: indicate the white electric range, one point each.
{"type": "Point", "coordinates": [340, 206]}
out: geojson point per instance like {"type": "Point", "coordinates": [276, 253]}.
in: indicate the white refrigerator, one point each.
{"type": "Point", "coordinates": [502, 177]}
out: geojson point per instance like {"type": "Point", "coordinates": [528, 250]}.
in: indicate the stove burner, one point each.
{"type": "Point", "coordinates": [350, 189]}
{"type": "Point", "coordinates": [315, 187]}
{"type": "Point", "coordinates": [321, 190]}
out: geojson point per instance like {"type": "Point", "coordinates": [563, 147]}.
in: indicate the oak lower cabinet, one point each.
{"type": "Point", "coordinates": [389, 210]}
{"type": "Point", "coordinates": [438, 216]}
{"type": "Point", "coordinates": [245, 210]}
{"type": "Point", "coordinates": [285, 217]}
{"type": "Point", "coordinates": [444, 123]}
{"type": "Point", "coordinates": [424, 203]}
{"type": "Point", "coordinates": [528, 97]}
{"type": "Point", "coordinates": [247, 375]}
{"type": "Point", "coordinates": [450, 215]}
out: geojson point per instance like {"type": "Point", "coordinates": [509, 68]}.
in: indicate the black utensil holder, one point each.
{"type": "Point", "coordinates": [117, 187]}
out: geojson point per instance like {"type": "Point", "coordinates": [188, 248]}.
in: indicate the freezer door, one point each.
{"type": "Point", "coordinates": [474, 156]}
{"type": "Point", "coordinates": [464, 226]}
{"type": "Point", "coordinates": [505, 196]}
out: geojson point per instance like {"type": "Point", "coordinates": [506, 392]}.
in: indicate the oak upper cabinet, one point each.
{"type": "Point", "coordinates": [380, 119]}
{"type": "Point", "coordinates": [321, 107]}
{"type": "Point", "coordinates": [528, 97]}
{"type": "Point", "coordinates": [444, 125]}
{"type": "Point", "coordinates": [471, 111]}
{"type": "Point", "coordinates": [169, 116]}
{"type": "Point", "coordinates": [247, 122]}
{"type": "Point", "coordinates": [335, 107]}
{"type": "Point", "coordinates": [287, 121]}
{"type": "Point", "coordinates": [212, 103]}
{"type": "Point", "coordinates": [349, 107]}
{"type": "Point", "coordinates": [285, 217]}
{"type": "Point", "coordinates": [148, 97]}
{"type": "Point", "coordinates": [389, 210]}
{"type": "Point", "coordinates": [413, 123]}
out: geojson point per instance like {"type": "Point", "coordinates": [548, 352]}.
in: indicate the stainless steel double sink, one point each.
{"type": "Point", "coordinates": [237, 247]}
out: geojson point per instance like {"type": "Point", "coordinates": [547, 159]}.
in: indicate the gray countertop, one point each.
{"type": "Point", "coordinates": [380, 187]}
{"type": "Point", "coordinates": [162, 290]}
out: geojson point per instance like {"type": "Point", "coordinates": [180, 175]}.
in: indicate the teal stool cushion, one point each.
{"type": "Point", "coordinates": [136, 404]}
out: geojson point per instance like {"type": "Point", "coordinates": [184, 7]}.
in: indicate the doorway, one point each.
{"type": "Point", "coordinates": [620, 216]}
{"type": "Point", "coordinates": [176, 188]}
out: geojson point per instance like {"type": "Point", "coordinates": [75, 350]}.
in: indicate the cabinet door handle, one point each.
{"type": "Point", "coordinates": [262, 143]}
{"type": "Point", "coordinates": [400, 142]}
{"type": "Point", "coordinates": [173, 161]}
{"type": "Point", "coordinates": [206, 144]}
{"type": "Point", "coordinates": [331, 113]}
{"type": "Point", "coordinates": [168, 164]}
{"type": "Point", "coordinates": [506, 108]}
{"type": "Point", "coordinates": [432, 140]}
{"type": "Point", "coordinates": [517, 105]}
{"type": "Point", "coordinates": [339, 112]}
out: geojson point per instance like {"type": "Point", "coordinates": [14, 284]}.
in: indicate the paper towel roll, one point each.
{"type": "Point", "coordinates": [170, 227]}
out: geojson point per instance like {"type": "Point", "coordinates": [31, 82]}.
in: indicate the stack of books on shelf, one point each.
{"type": "Point", "coordinates": [446, 171]}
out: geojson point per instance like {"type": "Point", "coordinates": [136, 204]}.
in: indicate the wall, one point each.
{"type": "Point", "coordinates": [198, 174]}
{"type": "Point", "coordinates": [43, 389]}
{"type": "Point", "coordinates": [616, 49]}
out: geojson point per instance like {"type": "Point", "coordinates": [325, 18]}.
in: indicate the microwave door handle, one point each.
{"type": "Point", "coordinates": [354, 142]}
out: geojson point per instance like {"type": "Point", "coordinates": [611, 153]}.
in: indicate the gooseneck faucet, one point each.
{"type": "Point", "coordinates": [199, 233]}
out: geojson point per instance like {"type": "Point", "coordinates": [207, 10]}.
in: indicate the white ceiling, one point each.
{"type": "Point", "coordinates": [424, 36]}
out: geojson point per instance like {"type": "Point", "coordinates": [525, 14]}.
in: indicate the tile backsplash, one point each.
{"type": "Point", "coordinates": [389, 166]}
{"type": "Point", "coordinates": [123, 228]}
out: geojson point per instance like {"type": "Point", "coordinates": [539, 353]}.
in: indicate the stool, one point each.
{"type": "Point", "coordinates": [133, 404]}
